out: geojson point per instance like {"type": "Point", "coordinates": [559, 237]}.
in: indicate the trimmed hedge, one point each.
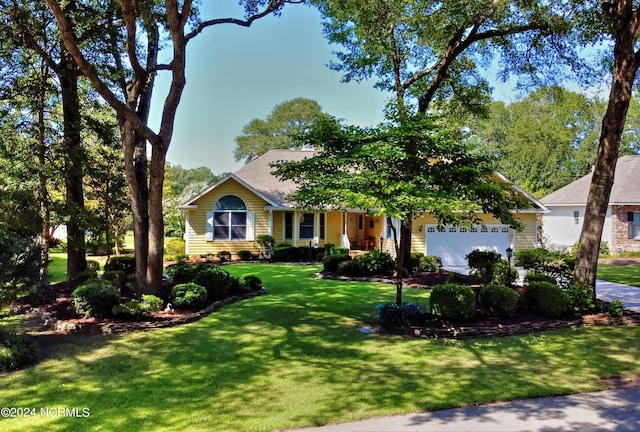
{"type": "Point", "coordinates": [95, 297]}
{"type": "Point", "coordinates": [546, 299]}
{"type": "Point", "coordinates": [188, 296]}
{"type": "Point", "coordinates": [454, 302]}
{"type": "Point", "coordinates": [125, 263]}
{"type": "Point", "coordinates": [16, 351]}
{"type": "Point", "coordinates": [392, 316]}
{"type": "Point", "coordinates": [499, 300]}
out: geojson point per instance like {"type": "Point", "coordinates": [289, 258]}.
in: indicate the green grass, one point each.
{"type": "Point", "coordinates": [58, 266]}
{"type": "Point", "coordinates": [625, 274]}
{"type": "Point", "coordinates": [295, 357]}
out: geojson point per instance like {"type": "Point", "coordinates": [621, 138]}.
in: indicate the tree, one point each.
{"type": "Point", "coordinates": [279, 130]}
{"type": "Point", "coordinates": [547, 139]}
{"type": "Point", "coordinates": [141, 24]}
{"type": "Point", "coordinates": [622, 24]}
{"type": "Point", "coordinates": [430, 54]}
{"type": "Point", "coordinates": [400, 169]}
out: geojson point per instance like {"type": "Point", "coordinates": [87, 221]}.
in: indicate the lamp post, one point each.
{"type": "Point", "coordinates": [381, 241]}
{"type": "Point", "coordinates": [509, 252]}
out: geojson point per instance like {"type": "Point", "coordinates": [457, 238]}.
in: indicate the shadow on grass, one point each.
{"type": "Point", "coordinates": [293, 358]}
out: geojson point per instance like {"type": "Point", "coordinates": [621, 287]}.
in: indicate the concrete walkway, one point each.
{"type": "Point", "coordinates": [629, 295]}
{"type": "Point", "coordinates": [611, 410]}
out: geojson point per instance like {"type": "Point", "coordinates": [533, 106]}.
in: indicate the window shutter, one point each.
{"type": "Point", "coordinates": [630, 225]}
{"type": "Point", "coordinates": [251, 235]}
{"type": "Point", "coordinates": [208, 236]}
{"type": "Point", "coordinates": [629, 216]}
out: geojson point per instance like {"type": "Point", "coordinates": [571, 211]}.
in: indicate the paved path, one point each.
{"type": "Point", "coordinates": [611, 410]}
{"type": "Point", "coordinates": [629, 295]}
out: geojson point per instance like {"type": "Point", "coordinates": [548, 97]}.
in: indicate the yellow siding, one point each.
{"type": "Point", "coordinates": [333, 221]}
{"type": "Point", "coordinates": [527, 238]}
{"type": "Point", "coordinates": [198, 220]}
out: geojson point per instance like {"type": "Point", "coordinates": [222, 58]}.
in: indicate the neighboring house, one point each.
{"type": "Point", "coordinates": [562, 225]}
{"type": "Point", "coordinates": [252, 201]}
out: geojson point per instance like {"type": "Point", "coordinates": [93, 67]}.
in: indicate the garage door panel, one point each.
{"type": "Point", "coordinates": [453, 244]}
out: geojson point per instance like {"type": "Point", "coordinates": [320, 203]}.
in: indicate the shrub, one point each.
{"type": "Point", "coordinates": [283, 252]}
{"type": "Point", "coordinates": [19, 265]}
{"type": "Point", "coordinates": [392, 316]}
{"type": "Point", "coordinates": [331, 262]}
{"type": "Point", "coordinates": [182, 272]}
{"type": "Point", "coordinates": [483, 264]}
{"type": "Point", "coordinates": [216, 281]}
{"type": "Point", "coordinates": [604, 250]}
{"type": "Point", "coordinates": [125, 263]}
{"type": "Point", "coordinates": [499, 300]}
{"type": "Point", "coordinates": [505, 274]}
{"type": "Point", "coordinates": [557, 264]}
{"type": "Point", "coordinates": [116, 277]}
{"type": "Point", "coordinates": [266, 243]}
{"type": "Point", "coordinates": [375, 262]}
{"type": "Point", "coordinates": [153, 303]}
{"type": "Point", "coordinates": [546, 299]}
{"type": "Point", "coordinates": [533, 276]}
{"type": "Point", "coordinates": [349, 268]}
{"type": "Point", "coordinates": [426, 263]}
{"type": "Point", "coordinates": [189, 296]}
{"type": "Point", "coordinates": [339, 251]}
{"type": "Point", "coordinates": [580, 297]}
{"type": "Point", "coordinates": [16, 351]}
{"type": "Point", "coordinates": [175, 247]}
{"type": "Point", "coordinates": [95, 297]}
{"type": "Point", "coordinates": [93, 265]}
{"type": "Point", "coordinates": [84, 276]}
{"type": "Point", "coordinates": [133, 309]}
{"type": "Point", "coordinates": [616, 308]}
{"type": "Point", "coordinates": [253, 283]}
{"type": "Point", "coordinates": [244, 255]}
{"type": "Point", "coordinates": [224, 255]}
{"type": "Point", "coordinates": [452, 301]}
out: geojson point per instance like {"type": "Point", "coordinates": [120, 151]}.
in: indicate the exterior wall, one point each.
{"type": "Point", "coordinates": [196, 230]}
{"type": "Point", "coordinates": [560, 230]}
{"type": "Point", "coordinates": [620, 241]}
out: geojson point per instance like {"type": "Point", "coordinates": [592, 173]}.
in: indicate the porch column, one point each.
{"type": "Point", "coordinates": [270, 222]}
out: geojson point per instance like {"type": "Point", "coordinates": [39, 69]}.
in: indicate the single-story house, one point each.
{"type": "Point", "coordinates": [251, 201]}
{"type": "Point", "coordinates": [562, 225]}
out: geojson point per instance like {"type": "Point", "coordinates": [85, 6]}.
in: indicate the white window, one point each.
{"type": "Point", "coordinates": [633, 219]}
{"type": "Point", "coordinates": [306, 226]}
{"type": "Point", "coordinates": [230, 220]}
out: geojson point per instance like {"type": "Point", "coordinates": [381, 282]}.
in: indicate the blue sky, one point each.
{"type": "Point", "coordinates": [236, 74]}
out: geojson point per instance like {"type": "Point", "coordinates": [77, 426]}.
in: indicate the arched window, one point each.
{"type": "Point", "coordinates": [230, 219]}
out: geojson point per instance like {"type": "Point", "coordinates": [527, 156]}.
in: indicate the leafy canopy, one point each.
{"type": "Point", "coordinates": [402, 169]}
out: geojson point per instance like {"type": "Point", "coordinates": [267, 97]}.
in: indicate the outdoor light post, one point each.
{"type": "Point", "coordinates": [509, 252]}
{"type": "Point", "coordinates": [381, 240]}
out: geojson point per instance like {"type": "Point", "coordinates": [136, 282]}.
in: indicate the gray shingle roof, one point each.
{"type": "Point", "coordinates": [626, 186]}
{"type": "Point", "coordinates": [258, 174]}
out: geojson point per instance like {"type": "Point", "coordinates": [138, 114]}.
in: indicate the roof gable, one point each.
{"type": "Point", "coordinates": [625, 190]}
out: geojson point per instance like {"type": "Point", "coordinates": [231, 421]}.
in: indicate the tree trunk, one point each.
{"type": "Point", "coordinates": [156, 221]}
{"type": "Point", "coordinates": [74, 155]}
{"type": "Point", "coordinates": [624, 71]}
{"type": "Point", "coordinates": [43, 193]}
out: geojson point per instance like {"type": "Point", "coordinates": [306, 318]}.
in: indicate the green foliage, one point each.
{"type": "Point", "coordinates": [483, 264]}
{"type": "Point", "coordinates": [499, 300]}
{"type": "Point", "coordinates": [95, 297]}
{"type": "Point", "coordinates": [375, 262]}
{"type": "Point", "coordinates": [393, 317]}
{"type": "Point", "coordinates": [188, 296]}
{"type": "Point", "coordinates": [546, 299]}
{"type": "Point", "coordinates": [174, 247]}
{"type": "Point", "coordinates": [557, 264]}
{"type": "Point", "coordinates": [19, 266]}
{"type": "Point", "coordinates": [454, 302]}
{"type": "Point", "coordinates": [504, 274]}
{"type": "Point", "coordinates": [615, 308]}
{"type": "Point", "coordinates": [217, 282]}
{"type": "Point", "coordinates": [125, 263]}
{"type": "Point", "coordinates": [224, 255]}
{"type": "Point", "coordinates": [331, 262]}
{"type": "Point", "coordinates": [580, 297]}
{"type": "Point", "coordinates": [245, 255]}
{"type": "Point", "coordinates": [252, 282]}
{"type": "Point", "coordinates": [425, 263]}
{"type": "Point", "coordinates": [349, 267]}
{"type": "Point", "coordinates": [16, 351]}
{"type": "Point", "coordinates": [604, 250]}
{"type": "Point", "coordinates": [338, 250]}
{"type": "Point", "coordinates": [134, 309]}
{"type": "Point", "coordinates": [93, 265]}
{"type": "Point", "coordinates": [266, 243]}
{"type": "Point", "coordinates": [280, 130]}
{"type": "Point", "coordinates": [116, 277]}
{"type": "Point", "coordinates": [534, 276]}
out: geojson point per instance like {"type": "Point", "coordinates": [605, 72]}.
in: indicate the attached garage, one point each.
{"type": "Point", "coordinates": [452, 244]}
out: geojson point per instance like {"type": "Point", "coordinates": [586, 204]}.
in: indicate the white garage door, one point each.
{"type": "Point", "coordinates": [454, 243]}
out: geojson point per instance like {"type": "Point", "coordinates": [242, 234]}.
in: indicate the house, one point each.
{"type": "Point", "coordinates": [252, 201]}
{"type": "Point", "coordinates": [563, 224]}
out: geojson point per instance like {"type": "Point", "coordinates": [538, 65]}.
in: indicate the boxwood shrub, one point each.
{"type": "Point", "coordinates": [499, 300]}
{"type": "Point", "coordinates": [16, 351]}
{"type": "Point", "coordinates": [330, 263]}
{"type": "Point", "coordinates": [392, 316]}
{"type": "Point", "coordinates": [453, 302]}
{"type": "Point", "coordinates": [189, 296]}
{"type": "Point", "coordinates": [375, 262]}
{"type": "Point", "coordinates": [245, 255]}
{"type": "Point", "coordinates": [125, 263]}
{"type": "Point", "coordinates": [95, 297]}
{"type": "Point", "coordinates": [545, 298]}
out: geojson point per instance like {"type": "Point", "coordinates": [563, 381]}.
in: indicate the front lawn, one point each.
{"type": "Point", "coordinates": [624, 274]}
{"type": "Point", "coordinates": [295, 357]}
